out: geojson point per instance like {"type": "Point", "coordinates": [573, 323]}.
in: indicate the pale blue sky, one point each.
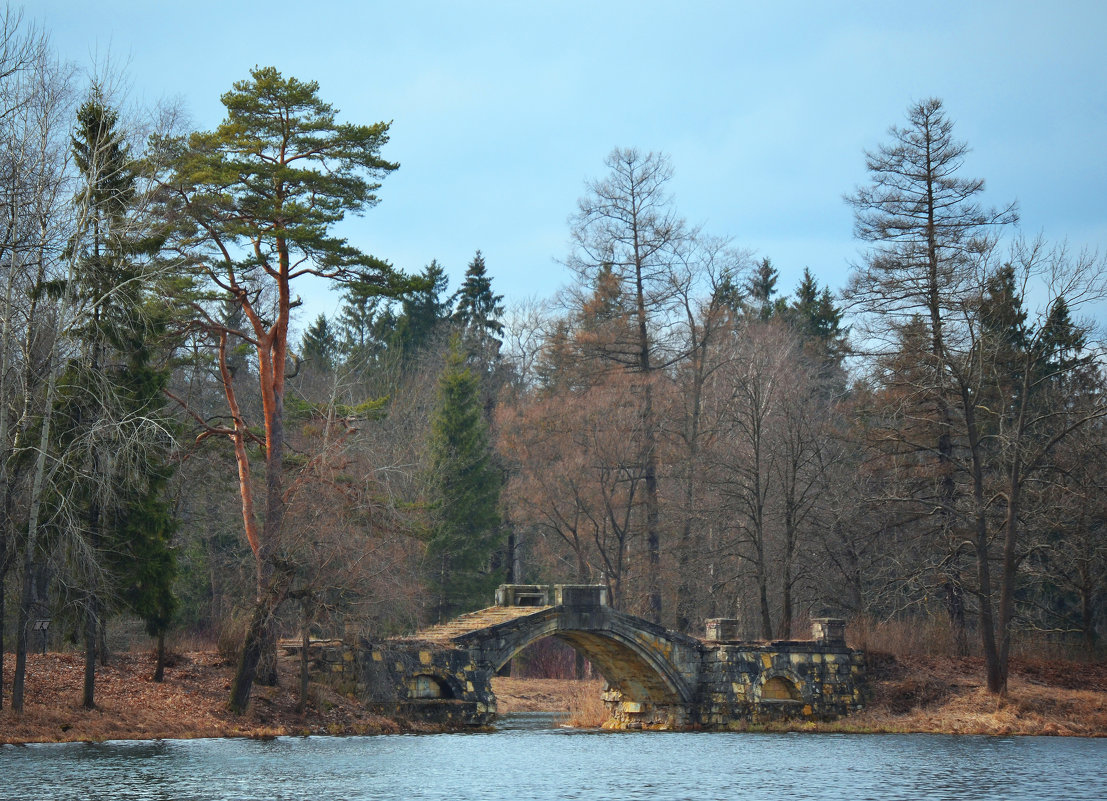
{"type": "Point", "coordinates": [501, 110]}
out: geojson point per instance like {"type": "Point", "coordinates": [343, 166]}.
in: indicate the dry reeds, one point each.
{"type": "Point", "coordinates": [586, 709]}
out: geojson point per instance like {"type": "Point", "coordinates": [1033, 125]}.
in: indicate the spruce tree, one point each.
{"type": "Point", "coordinates": [422, 313]}
{"type": "Point", "coordinates": [113, 430]}
{"type": "Point", "coordinates": [760, 287]}
{"type": "Point", "coordinates": [478, 312]}
{"type": "Point", "coordinates": [319, 345]}
{"type": "Point", "coordinates": [818, 320]}
{"type": "Point", "coordinates": [465, 492]}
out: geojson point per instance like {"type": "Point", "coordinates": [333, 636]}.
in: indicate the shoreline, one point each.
{"type": "Point", "coordinates": [912, 694]}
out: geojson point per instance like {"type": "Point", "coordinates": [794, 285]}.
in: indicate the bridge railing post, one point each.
{"type": "Point", "coordinates": [828, 630]}
{"type": "Point", "coordinates": [580, 596]}
{"type": "Point", "coordinates": [523, 595]}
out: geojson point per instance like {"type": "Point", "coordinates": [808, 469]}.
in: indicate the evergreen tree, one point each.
{"type": "Point", "coordinates": [760, 287]}
{"type": "Point", "coordinates": [257, 200]}
{"type": "Point", "coordinates": [319, 345]}
{"type": "Point", "coordinates": [113, 430]}
{"type": "Point", "coordinates": [817, 319]}
{"type": "Point", "coordinates": [365, 322]}
{"type": "Point", "coordinates": [924, 221]}
{"type": "Point", "coordinates": [479, 312]}
{"type": "Point", "coordinates": [1062, 341]}
{"type": "Point", "coordinates": [465, 493]}
{"type": "Point", "coordinates": [1004, 338]}
{"type": "Point", "coordinates": [422, 313]}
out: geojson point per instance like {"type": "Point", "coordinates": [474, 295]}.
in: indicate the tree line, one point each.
{"type": "Point", "coordinates": [927, 443]}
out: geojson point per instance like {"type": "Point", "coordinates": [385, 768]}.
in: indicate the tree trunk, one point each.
{"type": "Point", "coordinates": [786, 608]}
{"type": "Point", "coordinates": [92, 607]}
{"type": "Point", "coordinates": [102, 641]}
{"type": "Point", "coordinates": [261, 626]}
{"type": "Point", "coordinates": [159, 665]}
{"type": "Point", "coordinates": [763, 602]}
{"type": "Point", "coordinates": [88, 698]}
{"type": "Point", "coordinates": [686, 597]}
{"type": "Point", "coordinates": [305, 641]}
{"type": "Point", "coordinates": [955, 608]}
{"type": "Point", "coordinates": [3, 607]}
{"type": "Point", "coordinates": [1007, 588]}
{"type": "Point", "coordinates": [996, 681]}
{"type": "Point", "coordinates": [26, 601]}
{"type": "Point", "coordinates": [509, 574]}
{"type": "Point", "coordinates": [653, 507]}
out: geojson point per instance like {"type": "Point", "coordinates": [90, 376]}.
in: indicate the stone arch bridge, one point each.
{"type": "Point", "coordinates": [656, 678]}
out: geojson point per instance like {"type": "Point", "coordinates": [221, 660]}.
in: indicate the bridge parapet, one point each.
{"type": "Point", "coordinates": [572, 595]}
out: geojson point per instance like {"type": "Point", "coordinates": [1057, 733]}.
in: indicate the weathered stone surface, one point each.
{"type": "Point", "coordinates": [657, 679]}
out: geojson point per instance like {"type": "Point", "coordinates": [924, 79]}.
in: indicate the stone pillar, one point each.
{"type": "Point", "coordinates": [723, 629]}
{"type": "Point", "coordinates": [580, 596]}
{"type": "Point", "coordinates": [828, 630]}
{"type": "Point", "coordinates": [523, 595]}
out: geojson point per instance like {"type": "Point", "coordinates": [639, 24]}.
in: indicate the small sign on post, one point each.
{"type": "Point", "coordinates": [42, 626]}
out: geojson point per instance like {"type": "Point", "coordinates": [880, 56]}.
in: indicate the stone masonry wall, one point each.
{"type": "Point", "coordinates": [412, 679]}
{"type": "Point", "coordinates": [755, 684]}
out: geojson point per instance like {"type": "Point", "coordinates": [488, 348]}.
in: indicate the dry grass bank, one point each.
{"type": "Point", "coordinates": [947, 695]}
{"type": "Point", "coordinates": [189, 703]}
{"type": "Point", "coordinates": [576, 702]}
{"type": "Point", "coordinates": [911, 693]}
{"type": "Point", "coordinates": [940, 695]}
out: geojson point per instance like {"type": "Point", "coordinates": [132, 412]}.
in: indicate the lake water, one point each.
{"type": "Point", "coordinates": [528, 759]}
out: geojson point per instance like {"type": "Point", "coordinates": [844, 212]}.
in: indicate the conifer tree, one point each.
{"type": "Point", "coordinates": [113, 432]}
{"type": "Point", "coordinates": [478, 312]}
{"type": "Point", "coordinates": [760, 287]}
{"type": "Point", "coordinates": [319, 344]}
{"type": "Point", "coordinates": [465, 493]}
{"type": "Point", "coordinates": [818, 320]}
{"type": "Point", "coordinates": [365, 324]}
{"type": "Point", "coordinates": [926, 226]}
{"type": "Point", "coordinates": [422, 312]}
{"type": "Point", "coordinates": [258, 198]}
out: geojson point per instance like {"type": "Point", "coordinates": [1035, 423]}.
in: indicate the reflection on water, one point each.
{"type": "Point", "coordinates": [529, 757]}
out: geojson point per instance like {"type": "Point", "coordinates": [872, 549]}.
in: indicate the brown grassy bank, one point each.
{"type": "Point", "coordinates": [189, 703]}
{"type": "Point", "coordinates": [911, 693]}
{"type": "Point", "coordinates": [577, 703]}
{"type": "Point", "coordinates": [947, 695]}
{"type": "Point", "coordinates": [939, 695]}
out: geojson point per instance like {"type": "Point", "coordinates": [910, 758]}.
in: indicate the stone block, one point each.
{"type": "Point", "coordinates": [828, 630]}
{"type": "Point", "coordinates": [580, 596]}
{"type": "Point", "coordinates": [722, 629]}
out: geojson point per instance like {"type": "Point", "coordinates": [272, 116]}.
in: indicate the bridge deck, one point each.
{"type": "Point", "coordinates": [443, 633]}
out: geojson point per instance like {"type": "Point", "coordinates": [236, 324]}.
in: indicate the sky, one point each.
{"type": "Point", "coordinates": [500, 111]}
